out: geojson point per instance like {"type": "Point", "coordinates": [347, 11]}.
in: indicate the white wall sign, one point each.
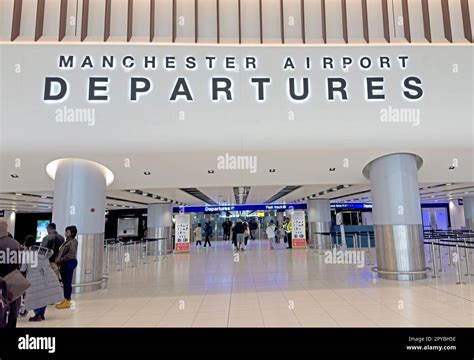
{"type": "Point", "coordinates": [298, 222]}
{"type": "Point", "coordinates": [182, 233]}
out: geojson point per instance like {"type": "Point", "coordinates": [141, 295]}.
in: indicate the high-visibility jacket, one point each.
{"type": "Point", "coordinates": [288, 227]}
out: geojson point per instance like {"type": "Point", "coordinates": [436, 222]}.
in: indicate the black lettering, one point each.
{"type": "Point", "coordinates": [48, 82]}
{"type": "Point", "coordinates": [250, 62]}
{"type": "Point", "coordinates": [341, 88]}
{"type": "Point", "coordinates": [328, 62]}
{"type": "Point", "coordinates": [87, 62]}
{"type": "Point", "coordinates": [371, 88]}
{"type": "Point", "coordinates": [413, 83]}
{"type": "Point", "coordinates": [170, 62]}
{"type": "Point", "coordinates": [305, 93]}
{"type": "Point", "coordinates": [135, 89]}
{"type": "Point", "coordinates": [108, 61]}
{"type": "Point", "coordinates": [225, 89]}
{"type": "Point", "coordinates": [191, 63]}
{"type": "Point", "coordinates": [93, 88]}
{"type": "Point", "coordinates": [260, 86]}
{"type": "Point", "coordinates": [181, 89]}
{"type": "Point", "coordinates": [289, 63]}
{"type": "Point", "coordinates": [63, 63]}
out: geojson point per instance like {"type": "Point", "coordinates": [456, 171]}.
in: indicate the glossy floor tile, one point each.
{"type": "Point", "coordinates": [217, 287]}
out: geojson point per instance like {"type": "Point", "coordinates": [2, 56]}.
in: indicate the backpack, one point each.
{"type": "Point", "coordinates": [4, 307]}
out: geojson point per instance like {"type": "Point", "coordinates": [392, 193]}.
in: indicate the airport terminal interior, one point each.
{"type": "Point", "coordinates": [244, 163]}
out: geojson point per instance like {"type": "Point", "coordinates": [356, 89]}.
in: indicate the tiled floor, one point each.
{"type": "Point", "coordinates": [263, 288]}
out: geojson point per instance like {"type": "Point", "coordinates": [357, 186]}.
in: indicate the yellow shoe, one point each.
{"type": "Point", "coordinates": [66, 304]}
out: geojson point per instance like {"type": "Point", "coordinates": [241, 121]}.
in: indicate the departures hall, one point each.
{"type": "Point", "coordinates": [237, 163]}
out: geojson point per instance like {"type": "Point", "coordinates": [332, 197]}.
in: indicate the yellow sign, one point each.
{"type": "Point", "coordinates": [260, 213]}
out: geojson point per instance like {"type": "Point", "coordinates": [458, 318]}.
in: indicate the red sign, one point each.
{"type": "Point", "coordinates": [183, 247]}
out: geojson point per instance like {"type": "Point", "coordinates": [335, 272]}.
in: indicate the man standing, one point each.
{"type": "Point", "coordinates": [53, 241]}
{"type": "Point", "coordinates": [288, 227]}
{"type": "Point", "coordinates": [226, 225]}
{"type": "Point", "coordinates": [253, 226]}
{"type": "Point", "coordinates": [208, 232]}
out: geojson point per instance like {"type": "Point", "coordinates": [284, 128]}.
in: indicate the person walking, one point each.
{"type": "Point", "coordinates": [67, 262]}
{"type": "Point", "coordinates": [45, 288]}
{"type": "Point", "coordinates": [10, 246]}
{"type": "Point", "coordinates": [208, 232]}
{"type": "Point", "coordinates": [270, 231]}
{"type": "Point", "coordinates": [253, 226]}
{"type": "Point", "coordinates": [226, 226]}
{"type": "Point", "coordinates": [198, 234]}
{"type": "Point", "coordinates": [53, 241]}
{"type": "Point", "coordinates": [288, 229]}
{"type": "Point", "coordinates": [239, 234]}
{"type": "Point", "coordinates": [246, 234]}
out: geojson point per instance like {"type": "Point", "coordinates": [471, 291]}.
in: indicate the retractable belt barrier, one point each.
{"type": "Point", "coordinates": [133, 253]}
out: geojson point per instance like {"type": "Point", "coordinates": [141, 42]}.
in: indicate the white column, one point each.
{"type": "Point", "coordinates": [79, 199]}
{"type": "Point", "coordinates": [10, 217]}
{"type": "Point", "coordinates": [397, 216]}
{"type": "Point", "coordinates": [319, 223]}
{"type": "Point", "coordinates": [456, 214]}
{"type": "Point", "coordinates": [468, 202]}
{"type": "Point", "coordinates": [160, 226]}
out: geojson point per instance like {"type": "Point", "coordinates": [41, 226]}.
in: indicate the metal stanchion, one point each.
{"type": "Point", "coordinates": [435, 271]}
{"type": "Point", "coordinates": [156, 251]}
{"type": "Point", "coordinates": [466, 255]}
{"type": "Point", "coordinates": [106, 257]}
{"type": "Point", "coordinates": [369, 246]}
{"type": "Point", "coordinates": [135, 253]}
{"type": "Point", "coordinates": [450, 256]}
{"type": "Point", "coordinates": [354, 241]}
{"type": "Point", "coordinates": [120, 254]}
{"type": "Point", "coordinates": [459, 266]}
{"type": "Point", "coordinates": [146, 252]}
{"type": "Point", "coordinates": [440, 256]}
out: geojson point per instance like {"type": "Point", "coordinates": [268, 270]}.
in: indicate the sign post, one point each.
{"type": "Point", "coordinates": [298, 229]}
{"type": "Point", "coordinates": [182, 233]}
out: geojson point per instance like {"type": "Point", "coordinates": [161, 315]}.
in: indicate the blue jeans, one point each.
{"type": "Point", "coordinates": [67, 271]}
{"type": "Point", "coordinates": [40, 311]}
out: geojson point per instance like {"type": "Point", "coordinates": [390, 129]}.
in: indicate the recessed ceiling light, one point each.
{"type": "Point", "coordinates": [18, 194]}
{"type": "Point", "coordinates": [332, 169]}
{"type": "Point", "coordinates": [449, 184]}
{"type": "Point", "coordinates": [147, 173]}
{"type": "Point", "coordinates": [133, 191]}
{"type": "Point", "coordinates": [452, 167]}
{"type": "Point", "coordinates": [144, 194]}
{"type": "Point", "coordinates": [271, 170]}
{"type": "Point", "coordinates": [44, 197]}
{"type": "Point", "coordinates": [210, 171]}
{"type": "Point", "coordinates": [15, 176]}
{"type": "Point", "coordinates": [346, 186]}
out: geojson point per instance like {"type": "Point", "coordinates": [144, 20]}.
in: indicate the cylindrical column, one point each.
{"type": "Point", "coordinates": [10, 217]}
{"type": "Point", "coordinates": [319, 221]}
{"type": "Point", "coordinates": [468, 202]}
{"type": "Point", "coordinates": [397, 216]}
{"type": "Point", "coordinates": [160, 225]}
{"type": "Point", "coordinates": [79, 199]}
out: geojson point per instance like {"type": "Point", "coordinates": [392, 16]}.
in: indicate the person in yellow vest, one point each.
{"type": "Point", "coordinates": [288, 229]}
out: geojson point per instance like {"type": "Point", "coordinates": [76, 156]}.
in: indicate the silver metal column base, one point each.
{"type": "Point", "coordinates": [88, 275]}
{"type": "Point", "coordinates": [400, 252]}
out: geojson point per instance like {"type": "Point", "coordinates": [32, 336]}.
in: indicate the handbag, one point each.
{"type": "Point", "coordinates": [16, 285]}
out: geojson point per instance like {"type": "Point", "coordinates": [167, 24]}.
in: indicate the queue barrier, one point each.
{"type": "Point", "coordinates": [133, 252]}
